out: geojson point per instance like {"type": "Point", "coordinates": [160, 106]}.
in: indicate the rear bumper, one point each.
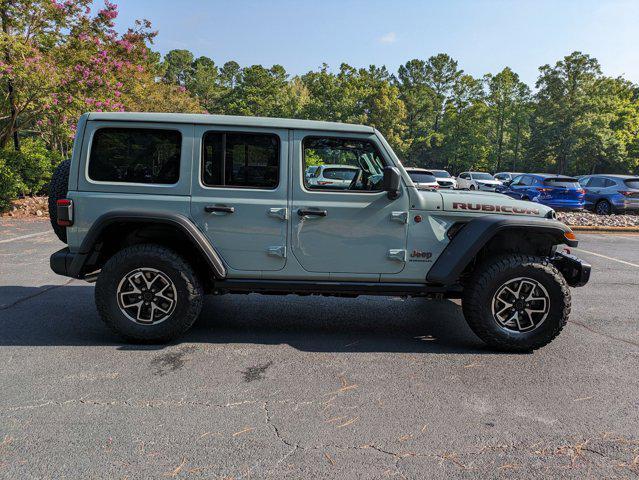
{"type": "Point", "coordinates": [575, 270]}
{"type": "Point", "coordinates": [68, 264]}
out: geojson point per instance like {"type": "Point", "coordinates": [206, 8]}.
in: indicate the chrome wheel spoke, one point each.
{"type": "Point", "coordinates": [147, 296]}
{"type": "Point", "coordinates": [520, 304]}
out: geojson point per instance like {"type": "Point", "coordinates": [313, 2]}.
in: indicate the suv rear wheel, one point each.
{"type": "Point", "coordinates": [517, 302]}
{"type": "Point", "coordinates": [603, 207]}
{"type": "Point", "coordinates": [148, 294]}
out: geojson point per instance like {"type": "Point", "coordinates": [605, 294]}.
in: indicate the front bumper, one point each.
{"type": "Point", "coordinates": [575, 270]}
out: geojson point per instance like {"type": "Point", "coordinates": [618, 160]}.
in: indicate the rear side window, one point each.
{"type": "Point", "coordinates": [421, 177]}
{"type": "Point", "coordinates": [249, 160]}
{"type": "Point", "coordinates": [135, 155]}
{"type": "Point", "coordinates": [632, 183]}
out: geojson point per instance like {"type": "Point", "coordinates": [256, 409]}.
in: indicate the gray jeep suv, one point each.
{"type": "Point", "coordinates": [161, 209]}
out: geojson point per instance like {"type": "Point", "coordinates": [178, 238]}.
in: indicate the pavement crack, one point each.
{"type": "Point", "coordinates": [611, 337]}
{"type": "Point", "coordinates": [125, 403]}
{"type": "Point", "coordinates": [273, 427]}
{"type": "Point", "coordinates": [38, 293]}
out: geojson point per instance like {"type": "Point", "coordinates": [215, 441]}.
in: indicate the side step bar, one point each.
{"type": "Point", "coordinates": [347, 289]}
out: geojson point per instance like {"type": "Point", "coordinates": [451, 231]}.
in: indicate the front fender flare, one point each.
{"type": "Point", "coordinates": [182, 223]}
{"type": "Point", "coordinates": [477, 233]}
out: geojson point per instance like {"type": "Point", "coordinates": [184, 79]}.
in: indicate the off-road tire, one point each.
{"type": "Point", "coordinates": [188, 287]}
{"type": "Point", "coordinates": [490, 276]}
{"type": "Point", "coordinates": [603, 207]}
{"type": "Point", "coordinates": [58, 188]}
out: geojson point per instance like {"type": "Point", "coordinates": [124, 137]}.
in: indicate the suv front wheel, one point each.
{"type": "Point", "coordinates": [148, 294]}
{"type": "Point", "coordinates": [517, 302]}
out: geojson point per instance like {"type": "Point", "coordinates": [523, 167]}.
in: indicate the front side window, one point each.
{"type": "Point", "coordinates": [135, 155]}
{"type": "Point", "coordinates": [249, 160]}
{"type": "Point", "coordinates": [346, 164]}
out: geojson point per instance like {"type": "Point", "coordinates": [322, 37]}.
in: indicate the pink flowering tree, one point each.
{"type": "Point", "coordinates": [58, 59]}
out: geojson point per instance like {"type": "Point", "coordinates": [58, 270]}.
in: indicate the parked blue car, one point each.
{"type": "Point", "coordinates": [606, 194]}
{"type": "Point", "coordinates": [555, 191]}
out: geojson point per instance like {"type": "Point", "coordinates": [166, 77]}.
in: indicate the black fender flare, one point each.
{"type": "Point", "coordinates": [181, 222]}
{"type": "Point", "coordinates": [478, 232]}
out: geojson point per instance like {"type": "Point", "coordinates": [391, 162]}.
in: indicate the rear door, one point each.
{"type": "Point", "coordinates": [239, 194]}
{"type": "Point", "coordinates": [355, 229]}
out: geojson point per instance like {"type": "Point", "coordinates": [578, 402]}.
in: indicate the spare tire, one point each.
{"type": "Point", "coordinates": [58, 189]}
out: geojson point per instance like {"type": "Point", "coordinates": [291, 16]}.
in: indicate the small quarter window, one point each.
{"type": "Point", "coordinates": [250, 160]}
{"type": "Point", "coordinates": [135, 155]}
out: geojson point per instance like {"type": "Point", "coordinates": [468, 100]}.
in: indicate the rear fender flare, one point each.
{"type": "Point", "coordinates": [182, 223]}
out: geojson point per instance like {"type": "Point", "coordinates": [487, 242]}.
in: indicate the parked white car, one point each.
{"type": "Point", "coordinates": [444, 179]}
{"type": "Point", "coordinates": [422, 178]}
{"type": "Point", "coordinates": [477, 181]}
{"type": "Point", "coordinates": [332, 176]}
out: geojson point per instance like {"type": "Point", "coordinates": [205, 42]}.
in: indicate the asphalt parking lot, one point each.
{"type": "Point", "coordinates": [299, 387]}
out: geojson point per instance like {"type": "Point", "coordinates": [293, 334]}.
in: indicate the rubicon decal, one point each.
{"type": "Point", "coordinates": [485, 207]}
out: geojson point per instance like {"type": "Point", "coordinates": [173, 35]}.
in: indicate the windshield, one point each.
{"type": "Point", "coordinates": [565, 182]}
{"type": "Point", "coordinates": [441, 174]}
{"type": "Point", "coordinates": [339, 173]}
{"type": "Point", "coordinates": [632, 183]}
{"type": "Point", "coordinates": [482, 176]}
{"type": "Point", "coordinates": [421, 177]}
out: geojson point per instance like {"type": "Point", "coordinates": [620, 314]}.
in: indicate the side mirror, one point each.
{"type": "Point", "coordinates": [507, 183]}
{"type": "Point", "coordinates": [391, 182]}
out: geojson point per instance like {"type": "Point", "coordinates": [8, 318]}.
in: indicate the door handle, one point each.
{"type": "Point", "coordinates": [318, 213]}
{"type": "Point", "coordinates": [218, 209]}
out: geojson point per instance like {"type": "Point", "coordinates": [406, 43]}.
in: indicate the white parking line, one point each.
{"type": "Point", "coordinates": [608, 258]}
{"type": "Point", "coordinates": [22, 237]}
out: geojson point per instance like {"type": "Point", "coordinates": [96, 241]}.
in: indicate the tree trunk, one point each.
{"type": "Point", "coordinates": [12, 129]}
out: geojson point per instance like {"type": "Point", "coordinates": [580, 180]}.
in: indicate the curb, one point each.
{"type": "Point", "coordinates": [603, 229]}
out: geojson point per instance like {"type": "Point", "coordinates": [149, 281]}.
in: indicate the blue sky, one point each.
{"type": "Point", "coordinates": [484, 36]}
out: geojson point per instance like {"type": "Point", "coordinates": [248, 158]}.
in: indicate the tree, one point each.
{"type": "Point", "coordinates": [178, 67]}
{"type": "Point", "coordinates": [564, 110]}
{"type": "Point", "coordinates": [507, 98]}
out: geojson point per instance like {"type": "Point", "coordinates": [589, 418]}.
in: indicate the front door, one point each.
{"type": "Point", "coordinates": [239, 194]}
{"type": "Point", "coordinates": [345, 227]}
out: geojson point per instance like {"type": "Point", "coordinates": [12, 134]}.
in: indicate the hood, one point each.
{"type": "Point", "coordinates": [489, 182]}
{"type": "Point", "coordinates": [483, 203]}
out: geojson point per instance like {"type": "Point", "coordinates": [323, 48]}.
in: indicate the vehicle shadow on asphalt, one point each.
{"type": "Point", "coordinates": [67, 316]}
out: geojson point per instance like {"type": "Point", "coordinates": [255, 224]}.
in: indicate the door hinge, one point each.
{"type": "Point", "coordinates": [281, 213]}
{"type": "Point", "coordinates": [401, 217]}
{"type": "Point", "coordinates": [397, 254]}
{"type": "Point", "coordinates": [279, 251]}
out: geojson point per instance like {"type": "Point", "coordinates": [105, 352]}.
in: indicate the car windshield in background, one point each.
{"type": "Point", "coordinates": [483, 176]}
{"type": "Point", "coordinates": [339, 173]}
{"type": "Point", "coordinates": [419, 177]}
{"type": "Point", "coordinates": [441, 174]}
{"type": "Point", "coordinates": [632, 183]}
{"type": "Point", "coordinates": [565, 182]}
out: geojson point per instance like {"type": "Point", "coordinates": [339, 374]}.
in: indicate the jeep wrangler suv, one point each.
{"type": "Point", "coordinates": [161, 209]}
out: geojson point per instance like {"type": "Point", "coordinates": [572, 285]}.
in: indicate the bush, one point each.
{"type": "Point", "coordinates": [10, 186]}
{"type": "Point", "coordinates": [34, 165]}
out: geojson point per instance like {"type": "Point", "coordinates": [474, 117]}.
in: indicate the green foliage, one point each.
{"type": "Point", "coordinates": [32, 165]}
{"type": "Point", "coordinates": [10, 185]}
